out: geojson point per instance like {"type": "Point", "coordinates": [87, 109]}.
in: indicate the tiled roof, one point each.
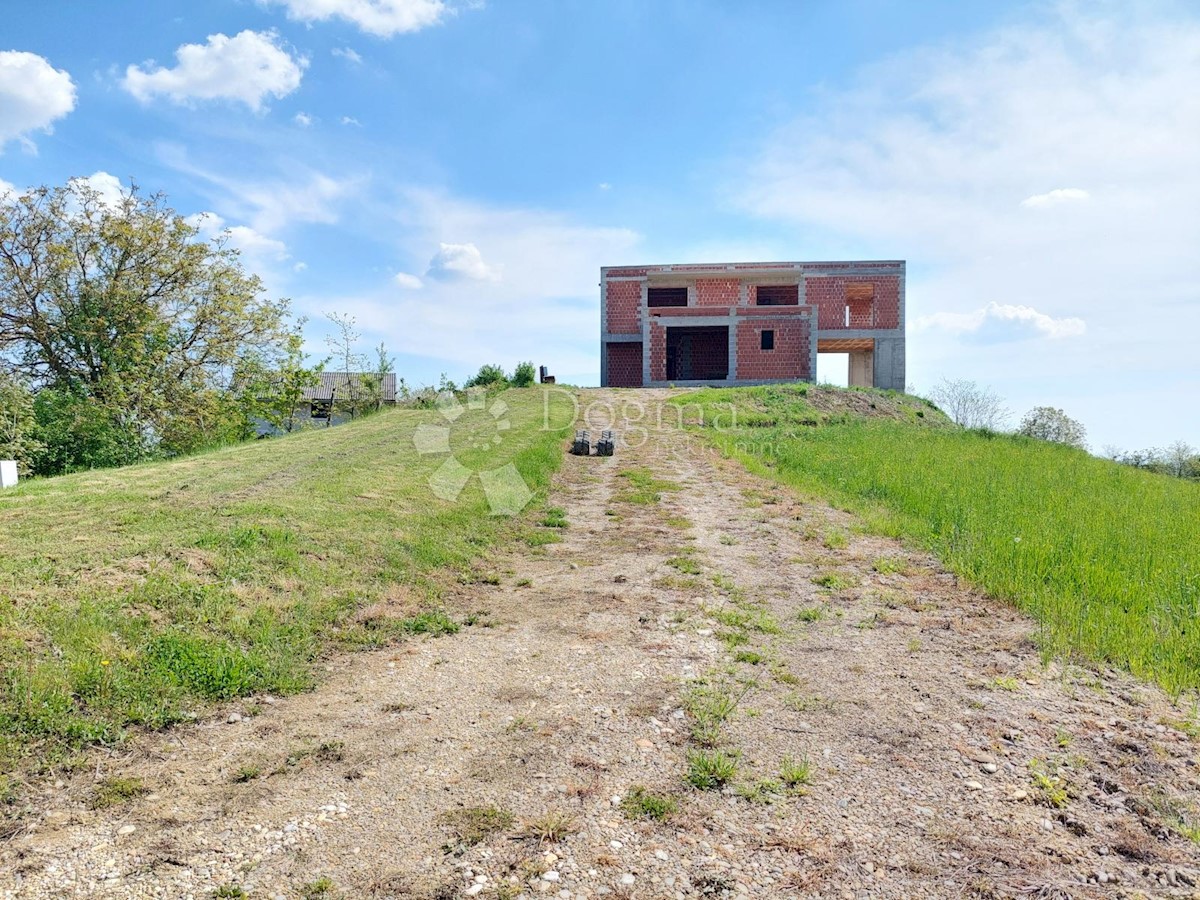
{"type": "Point", "coordinates": [345, 383]}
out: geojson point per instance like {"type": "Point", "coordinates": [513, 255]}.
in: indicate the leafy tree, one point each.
{"type": "Point", "coordinates": [350, 394]}
{"type": "Point", "coordinates": [122, 308]}
{"type": "Point", "coordinates": [969, 404]}
{"type": "Point", "coordinates": [374, 379]}
{"type": "Point", "coordinates": [523, 375]}
{"type": "Point", "coordinates": [1049, 424]}
{"type": "Point", "coordinates": [487, 376]}
{"type": "Point", "coordinates": [275, 394]}
{"type": "Point", "coordinates": [17, 424]}
{"type": "Point", "coordinates": [1182, 461]}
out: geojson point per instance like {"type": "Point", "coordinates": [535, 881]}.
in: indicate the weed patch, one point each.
{"type": "Point", "coordinates": [115, 791]}
{"type": "Point", "coordinates": [641, 486]}
{"type": "Point", "coordinates": [476, 824]}
{"type": "Point", "coordinates": [641, 803]}
{"type": "Point", "coordinates": [710, 769]}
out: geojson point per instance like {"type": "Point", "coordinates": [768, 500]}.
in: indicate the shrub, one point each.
{"type": "Point", "coordinates": [487, 376]}
{"type": "Point", "coordinates": [1049, 424]}
{"type": "Point", "coordinates": [969, 404]}
{"type": "Point", "coordinates": [523, 375]}
{"type": "Point", "coordinates": [77, 433]}
{"type": "Point", "coordinates": [17, 424]}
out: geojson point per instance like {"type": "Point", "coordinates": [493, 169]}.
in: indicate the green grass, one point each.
{"type": "Point", "coordinates": [115, 791]}
{"type": "Point", "coordinates": [1102, 555]}
{"type": "Point", "coordinates": [641, 803]}
{"type": "Point", "coordinates": [475, 824]}
{"type": "Point", "coordinates": [136, 596]}
{"type": "Point", "coordinates": [833, 581]}
{"type": "Point", "coordinates": [795, 773]}
{"type": "Point", "coordinates": [643, 487]}
{"type": "Point", "coordinates": [710, 769]}
{"type": "Point", "coordinates": [685, 564]}
{"type": "Point", "coordinates": [321, 888]}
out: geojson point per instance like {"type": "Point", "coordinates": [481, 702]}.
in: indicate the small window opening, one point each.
{"type": "Point", "coordinates": [666, 296]}
{"type": "Point", "coordinates": [320, 409]}
{"type": "Point", "coordinates": [768, 339]}
{"type": "Point", "coordinates": [777, 295]}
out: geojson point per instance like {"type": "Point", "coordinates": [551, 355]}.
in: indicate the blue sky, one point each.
{"type": "Point", "coordinates": [454, 174]}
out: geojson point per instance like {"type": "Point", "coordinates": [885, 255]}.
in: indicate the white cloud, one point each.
{"type": "Point", "coordinates": [350, 120]}
{"type": "Point", "coordinates": [604, 186]}
{"type": "Point", "coordinates": [300, 266]}
{"type": "Point", "coordinates": [6, 188]}
{"type": "Point", "coordinates": [407, 281]}
{"type": "Point", "coordinates": [926, 157]}
{"type": "Point", "coordinates": [107, 186]}
{"type": "Point", "coordinates": [384, 18]}
{"type": "Point", "coordinates": [1055, 197]}
{"type": "Point", "coordinates": [998, 322]}
{"type": "Point", "coordinates": [304, 120]}
{"type": "Point", "coordinates": [347, 53]}
{"type": "Point", "coordinates": [454, 261]}
{"type": "Point", "coordinates": [546, 307]}
{"type": "Point", "coordinates": [33, 95]}
{"type": "Point", "coordinates": [302, 196]}
{"type": "Point", "coordinates": [247, 68]}
{"type": "Point", "coordinates": [255, 247]}
{"type": "Point", "coordinates": [312, 197]}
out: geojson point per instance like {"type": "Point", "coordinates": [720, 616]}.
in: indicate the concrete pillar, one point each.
{"type": "Point", "coordinates": [889, 363]}
{"type": "Point", "coordinates": [862, 369]}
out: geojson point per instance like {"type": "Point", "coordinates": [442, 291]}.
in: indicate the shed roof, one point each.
{"type": "Point", "coordinates": [344, 383]}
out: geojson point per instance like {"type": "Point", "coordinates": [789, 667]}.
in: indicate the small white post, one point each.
{"type": "Point", "coordinates": [8, 473]}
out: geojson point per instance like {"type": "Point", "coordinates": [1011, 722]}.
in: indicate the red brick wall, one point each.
{"type": "Point", "coordinates": [828, 295]}
{"type": "Point", "coordinates": [625, 364]}
{"type": "Point", "coordinates": [789, 359]}
{"type": "Point", "coordinates": [658, 352]}
{"type": "Point", "coordinates": [624, 299]}
{"type": "Point", "coordinates": [717, 291]}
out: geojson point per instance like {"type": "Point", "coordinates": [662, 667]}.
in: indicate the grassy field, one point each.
{"type": "Point", "coordinates": [1105, 557]}
{"type": "Point", "coordinates": [130, 596]}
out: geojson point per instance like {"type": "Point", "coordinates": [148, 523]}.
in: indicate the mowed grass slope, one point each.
{"type": "Point", "coordinates": [1105, 557]}
{"type": "Point", "coordinates": [128, 595]}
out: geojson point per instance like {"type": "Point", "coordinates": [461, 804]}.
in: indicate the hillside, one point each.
{"type": "Point", "coordinates": [1102, 555]}
{"type": "Point", "coordinates": [129, 596]}
{"type": "Point", "coordinates": [673, 676]}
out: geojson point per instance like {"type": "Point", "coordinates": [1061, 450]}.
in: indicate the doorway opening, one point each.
{"type": "Point", "coordinates": [698, 353]}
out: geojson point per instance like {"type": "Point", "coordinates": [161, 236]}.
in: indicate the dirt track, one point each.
{"type": "Point", "coordinates": [921, 706]}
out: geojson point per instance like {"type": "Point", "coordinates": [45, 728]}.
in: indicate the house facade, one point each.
{"type": "Point", "coordinates": [751, 323]}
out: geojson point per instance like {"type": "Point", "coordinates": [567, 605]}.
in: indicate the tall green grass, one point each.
{"type": "Point", "coordinates": [1105, 557]}
{"type": "Point", "coordinates": [131, 596]}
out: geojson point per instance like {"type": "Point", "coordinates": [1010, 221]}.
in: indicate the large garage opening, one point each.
{"type": "Point", "coordinates": [698, 354]}
{"type": "Point", "coordinates": [846, 362]}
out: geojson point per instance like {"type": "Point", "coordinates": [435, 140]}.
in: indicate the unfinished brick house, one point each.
{"type": "Point", "coordinates": [750, 323]}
